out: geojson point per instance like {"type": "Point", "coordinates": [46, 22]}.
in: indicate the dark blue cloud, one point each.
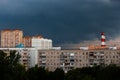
{"type": "Point", "coordinates": [62, 20]}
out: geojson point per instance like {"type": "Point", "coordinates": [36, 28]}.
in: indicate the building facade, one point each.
{"type": "Point", "coordinates": [65, 59]}
{"type": "Point", "coordinates": [28, 56]}
{"type": "Point", "coordinates": [11, 38]}
{"type": "Point", "coordinates": [70, 59]}
{"type": "Point", "coordinates": [41, 43]}
{"type": "Point", "coordinates": [27, 41]}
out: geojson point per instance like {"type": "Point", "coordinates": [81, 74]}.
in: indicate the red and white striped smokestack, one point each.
{"type": "Point", "coordinates": [103, 39]}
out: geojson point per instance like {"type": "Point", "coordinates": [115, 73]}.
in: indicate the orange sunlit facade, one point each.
{"type": "Point", "coordinates": [11, 38]}
{"type": "Point", "coordinates": [97, 47]}
{"type": "Point", "coordinates": [38, 36]}
{"type": "Point", "coordinates": [27, 41]}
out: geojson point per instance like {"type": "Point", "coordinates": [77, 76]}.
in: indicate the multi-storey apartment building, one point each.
{"type": "Point", "coordinates": [27, 41]}
{"type": "Point", "coordinates": [28, 56]}
{"type": "Point", "coordinates": [41, 43]}
{"type": "Point", "coordinates": [66, 59]}
{"type": "Point", "coordinates": [11, 38]}
{"type": "Point", "coordinates": [70, 59]}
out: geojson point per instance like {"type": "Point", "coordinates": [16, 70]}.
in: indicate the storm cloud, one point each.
{"type": "Point", "coordinates": [64, 21]}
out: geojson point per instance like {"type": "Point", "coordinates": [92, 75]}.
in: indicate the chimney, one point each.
{"type": "Point", "coordinates": [103, 39]}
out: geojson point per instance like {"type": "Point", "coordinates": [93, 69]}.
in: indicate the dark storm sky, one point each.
{"type": "Point", "coordinates": [63, 21]}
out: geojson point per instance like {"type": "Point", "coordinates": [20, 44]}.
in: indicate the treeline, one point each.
{"type": "Point", "coordinates": [110, 72]}
{"type": "Point", "coordinates": [10, 69]}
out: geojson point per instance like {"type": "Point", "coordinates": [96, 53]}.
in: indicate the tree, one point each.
{"type": "Point", "coordinates": [37, 73]}
{"type": "Point", "coordinates": [59, 74]}
{"type": "Point", "coordinates": [10, 69]}
{"type": "Point", "coordinates": [110, 72]}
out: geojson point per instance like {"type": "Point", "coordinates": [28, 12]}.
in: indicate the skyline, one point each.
{"type": "Point", "coordinates": [62, 21]}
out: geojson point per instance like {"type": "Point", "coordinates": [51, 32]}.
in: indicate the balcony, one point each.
{"type": "Point", "coordinates": [62, 65]}
{"type": "Point", "coordinates": [43, 61]}
{"type": "Point", "coordinates": [43, 54]}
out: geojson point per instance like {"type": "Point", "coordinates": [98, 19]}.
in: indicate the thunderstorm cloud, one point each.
{"type": "Point", "coordinates": [64, 21]}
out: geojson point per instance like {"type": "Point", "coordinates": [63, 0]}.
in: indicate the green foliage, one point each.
{"type": "Point", "coordinates": [59, 74]}
{"type": "Point", "coordinates": [9, 67]}
{"type": "Point", "coordinates": [36, 73]}
{"type": "Point", "coordinates": [110, 72]}
{"type": "Point", "coordinates": [13, 58]}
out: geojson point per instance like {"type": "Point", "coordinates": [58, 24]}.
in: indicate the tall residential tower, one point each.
{"type": "Point", "coordinates": [11, 38]}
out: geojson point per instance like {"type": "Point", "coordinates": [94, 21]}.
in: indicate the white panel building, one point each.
{"type": "Point", "coordinates": [41, 43]}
